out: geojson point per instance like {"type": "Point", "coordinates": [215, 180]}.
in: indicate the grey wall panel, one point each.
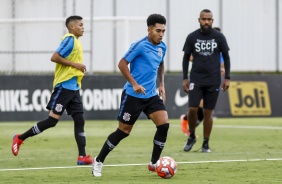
{"type": "Point", "coordinates": [249, 26]}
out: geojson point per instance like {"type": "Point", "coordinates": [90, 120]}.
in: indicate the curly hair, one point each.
{"type": "Point", "coordinates": [154, 19]}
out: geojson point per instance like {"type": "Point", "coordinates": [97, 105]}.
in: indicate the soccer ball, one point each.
{"type": "Point", "coordinates": [166, 167]}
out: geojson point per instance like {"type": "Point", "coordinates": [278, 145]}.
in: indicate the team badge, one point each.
{"type": "Point", "coordinates": [59, 107]}
{"type": "Point", "coordinates": [160, 53]}
{"type": "Point", "coordinates": [126, 116]}
{"type": "Point", "coordinates": [191, 86]}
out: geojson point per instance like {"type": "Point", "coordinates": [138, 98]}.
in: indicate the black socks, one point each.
{"type": "Point", "coordinates": [112, 141]}
{"type": "Point", "coordinates": [39, 127]}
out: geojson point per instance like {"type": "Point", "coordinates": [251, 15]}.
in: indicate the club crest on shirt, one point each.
{"type": "Point", "coordinates": [191, 86]}
{"type": "Point", "coordinates": [126, 116]}
{"type": "Point", "coordinates": [160, 53]}
{"type": "Point", "coordinates": [59, 107]}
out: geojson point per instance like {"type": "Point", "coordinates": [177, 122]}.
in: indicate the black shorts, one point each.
{"type": "Point", "coordinates": [131, 107]}
{"type": "Point", "coordinates": [62, 99]}
{"type": "Point", "coordinates": [209, 93]}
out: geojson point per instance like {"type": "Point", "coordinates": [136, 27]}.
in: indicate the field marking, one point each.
{"type": "Point", "coordinates": [196, 162]}
{"type": "Point", "coordinates": [249, 127]}
{"type": "Point", "coordinates": [124, 165]}
{"type": "Point", "coordinates": [242, 127]}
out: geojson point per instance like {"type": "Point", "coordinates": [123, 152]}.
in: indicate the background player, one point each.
{"type": "Point", "coordinates": [67, 83]}
{"type": "Point", "coordinates": [184, 117]}
{"type": "Point", "coordinates": [205, 44]}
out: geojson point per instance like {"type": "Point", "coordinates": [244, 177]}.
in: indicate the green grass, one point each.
{"type": "Point", "coordinates": [244, 150]}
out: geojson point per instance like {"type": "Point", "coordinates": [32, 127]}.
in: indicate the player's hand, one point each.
{"type": "Point", "coordinates": [225, 84]}
{"type": "Point", "coordinates": [139, 89]}
{"type": "Point", "coordinates": [162, 93]}
{"type": "Point", "coordinates": [185, 85]}
{"type": "Point", "coordinates": [80, 67]}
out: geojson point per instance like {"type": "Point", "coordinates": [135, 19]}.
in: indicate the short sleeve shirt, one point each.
{"type": "Point", "coordinates": [64, 50]}
{"type": "Point", "coordinates": [145, 59]}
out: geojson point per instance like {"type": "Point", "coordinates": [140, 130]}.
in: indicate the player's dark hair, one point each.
{"type": "Point", "coordinates": [154, 19]}
{"type": "Point", "coordinates": [72, 18]}
{"type": "Point", "coordinates": [206, 11]}
{"type": "Point", "coordinates": [217, 28]}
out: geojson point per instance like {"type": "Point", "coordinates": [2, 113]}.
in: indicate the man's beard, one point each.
{"type": "Point", "coordinates": [205, 29]}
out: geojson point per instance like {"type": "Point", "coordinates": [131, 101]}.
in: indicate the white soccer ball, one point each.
{"type": "Point", "coordinates": [166, 167]}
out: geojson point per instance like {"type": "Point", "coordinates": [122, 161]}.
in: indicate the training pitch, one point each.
{"type": "Point", "coordinates": [244, 150]}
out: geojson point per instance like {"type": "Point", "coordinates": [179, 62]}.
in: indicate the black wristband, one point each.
{"type": "Point", "coordinates": [227, 77]}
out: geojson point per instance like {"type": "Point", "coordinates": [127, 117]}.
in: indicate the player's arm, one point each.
{"type": "Point", "coordinates": [222, 69]}
{"type": "Point", "coordinates": [226, 59]}
{"type": "Point", "coordinates": [64, 49]}
{"type": "Point", "coordinates": [226, 81]}
{"type": "Point", "coordinates": [57, 58]}
{"type": "Point", "coordinates": [185, 67]}
{"type": "Point", "coordinates": [161, 78]}
{"type": "Point", "coordinates": [122, 65]}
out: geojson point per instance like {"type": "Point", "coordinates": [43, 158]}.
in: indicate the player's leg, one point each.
{"type": "Point", "coordinates": [75, 109]}
{"type": "Point", "coordinates": [161, 121]}
{"type": "Point", "coordinates": [200, 113]}
{"type": "Point", "coordinates": [56, 105]}
{"type": "Point", "coordinates": [112, 141]}
{"type": "Point", "coordinates": [80, 138]}
{"type": "Point", "coordinates": [39, 127]}
{"type": "Point", "coordinates": [130, 109]}
{"type": "Point", "coordinates": [156, 111]}
{"type": "Point", "coordinates": [36, 129]}
{"type": "Point", "coordinates": [192, 119]}
{"type": "Point", "coordinates": [79, 134]}
{"type": "Point", "coordinates": [195, 96]}
{"type": "Point", "coordinates": [210, 99]}
{"type": "Point", "coordinates": [185, 123]}
{"type": "Point", "coordinates": [208, 123]}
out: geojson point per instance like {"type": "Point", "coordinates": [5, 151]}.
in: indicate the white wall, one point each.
{"type": "Point", "coordinates": [251, 34]}
{"type": "Point", "coordinates": [249, 26]}
{"type": "Point", "coordinates": [183, 20]}
{"type": "Point", "coordinates": [280, 36]}
{"type": "Point", "coordinates": [5, 36]}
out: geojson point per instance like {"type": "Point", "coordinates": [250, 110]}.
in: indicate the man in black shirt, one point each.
{"type": "Point", "coordinates": [205, 44]}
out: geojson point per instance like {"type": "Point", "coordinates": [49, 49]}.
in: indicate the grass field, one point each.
{"type": "Point", "coordinates": [244, 150]}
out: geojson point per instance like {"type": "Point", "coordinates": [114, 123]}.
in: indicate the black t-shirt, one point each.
{"type": "Point", "coordinates": [206, 49]}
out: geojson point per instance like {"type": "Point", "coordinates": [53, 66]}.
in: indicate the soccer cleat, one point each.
{"type": "Point", "coordinates": [184, 125]}
{"type": "Point", "coordinates": [97, 168]}
{"type": "Point", "coordinates": [189, 144]}
{"type": "Point", "coordinates": [206, 149]}
{"type": "Point", "coordinates": [16, 144]}
{"type": "Point", "coordinates": [152, 167]}
{"type": "Point", "coordinates": [86, 160]}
